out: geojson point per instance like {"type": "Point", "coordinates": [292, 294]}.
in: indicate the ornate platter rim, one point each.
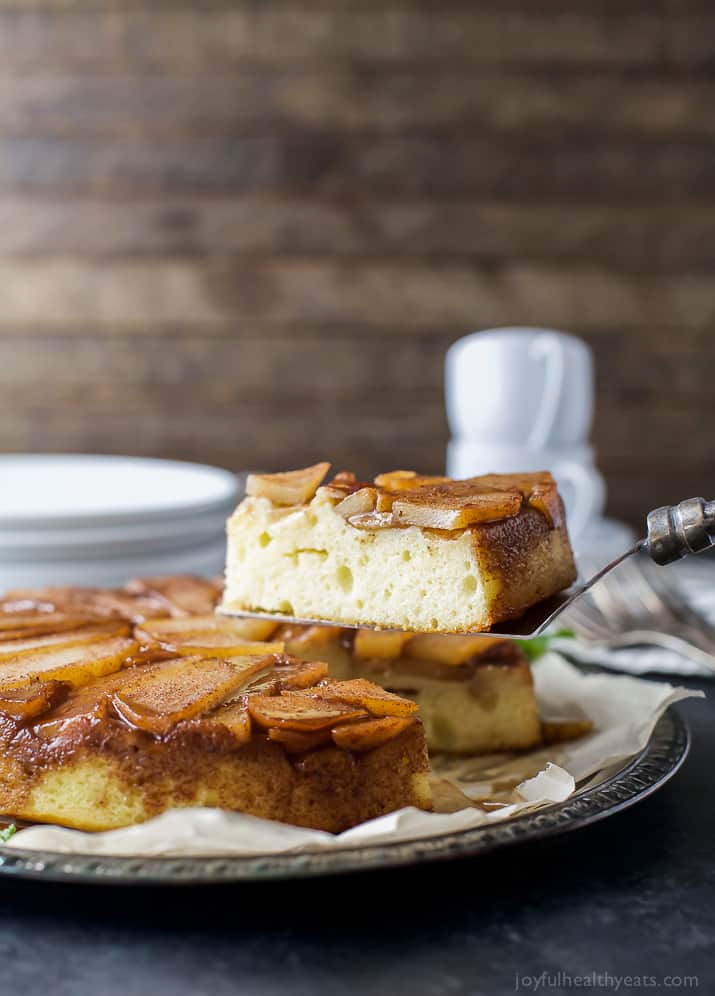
{"type": "Point", "coordinates": [638, 778]}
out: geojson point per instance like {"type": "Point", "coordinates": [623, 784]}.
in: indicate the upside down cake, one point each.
{"type": "Point", "coordinates": [107, 720]}
{"type": "Point", "coordinates": [407, 552]}
{"type": "Point", "coordinates": [475, 693]}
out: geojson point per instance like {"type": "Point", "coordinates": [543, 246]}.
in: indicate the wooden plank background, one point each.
{"type": "Point", "coordinates": [246, 232]}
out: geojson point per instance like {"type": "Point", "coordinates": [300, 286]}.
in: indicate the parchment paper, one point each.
{"type": "Point", "coordinates": [468, 792]}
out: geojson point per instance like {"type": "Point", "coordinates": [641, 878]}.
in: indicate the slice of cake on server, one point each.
{"type": "Point", "coordinates": [422, 554]}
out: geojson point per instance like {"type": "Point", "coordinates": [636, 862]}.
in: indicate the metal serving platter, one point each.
{"type": "Point", "coordinates": [603, 795]}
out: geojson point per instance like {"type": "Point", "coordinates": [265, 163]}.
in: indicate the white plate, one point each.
{"type": "Point", "coordinates": [110, 540]}
{"type": "Point", "coordinates": [206, 559]}
{"type": "Point", "coordinates": [75, 490]}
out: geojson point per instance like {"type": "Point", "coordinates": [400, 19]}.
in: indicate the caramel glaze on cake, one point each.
{"type": "Point", "coordinates": [115, 730]}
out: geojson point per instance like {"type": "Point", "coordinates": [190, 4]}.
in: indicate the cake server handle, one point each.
{"type": "Point", "coordinates": [674, 531]}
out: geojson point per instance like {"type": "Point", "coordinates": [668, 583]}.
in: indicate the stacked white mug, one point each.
{"type": "Point", "coordinates": [521, 399]}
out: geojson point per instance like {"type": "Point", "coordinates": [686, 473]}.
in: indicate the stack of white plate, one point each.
{"type": "Point", "coordinates": [100, 520]}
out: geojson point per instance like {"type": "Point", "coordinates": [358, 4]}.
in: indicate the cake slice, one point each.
{"type": "Point", "coordinates": [475, 694]}
{"type": "Point", "coordinates": [421, 554]}
{"type": "Point", "coordinates": [108, 731]}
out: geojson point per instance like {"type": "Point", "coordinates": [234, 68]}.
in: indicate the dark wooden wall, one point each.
{"type": "Point", "coordinates": [246, 232]}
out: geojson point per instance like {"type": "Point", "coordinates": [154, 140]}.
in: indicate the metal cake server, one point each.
{"type": "Point", "coordinates": [672, 532]}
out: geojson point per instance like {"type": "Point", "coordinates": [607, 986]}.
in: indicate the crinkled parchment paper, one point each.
{"type": "Point", "coordinates": [468, 792]}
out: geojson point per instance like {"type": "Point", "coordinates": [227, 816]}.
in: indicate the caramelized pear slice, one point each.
{"type": "Point", "coordinates": [364, 693]}
{"type": "Point", "coordinates": [296, 711]}
{"type": "Point", "coordinates": [539, 489]}
{"type": "Point", "coordinates": [396, 480]}
{"type": "Point", "coordinates": [545, 499]}
{"type": "Point", "coordinates": [91, 601]}
{"type": "Point", "coordinates": [184, 594]}
{"type": "Point", "coordinates": [209, 635]}
{"type": "Point", "coordinates": [294, 487]}
{"type": "Point", "coordinates": [87, 701]}
{"type": "Point", "coordinates": [300, 674]}
{"type": "Point", "coordinates": [335, 492]}
{"type": "Point", "coordinates": [164, 694]}
{"type": "Point", "coordinates": [233, 717]}
{"type": "Point", "coordinates": [383, 644]}
{"type": "Point", "coordinates": [33, 700]}
{"type": "Point", "coordinates": [70, 638]}
{"type": "Point", "coordinates": [297, 742]}
{"type": "Point", "coordinates": [446, 508]}
{"type": "Point", "coordinates": [267, 683]}
{"type": "Point", "coordinates": [22, 625]}
{"type": "Point", "coordinates": [206, 647]}
{"type": "Point", "coordinates": [299, 639]}
{"type": "Point", "coordinates": [357, 503]}
{"type": "Point", "coordinates": [451, 650]}
{"type": "Point", "coordinates": [370, 733]}
{"type": "Point", "coordinates": [406, 480]}
{"type": "Point", "coordinates": [372, 520]}
{"type": "Point", "coordinates": [525, 482]}
{"type": "Point", "coordinates": [76, 665]}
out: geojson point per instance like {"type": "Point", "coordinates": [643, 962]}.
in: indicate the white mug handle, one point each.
{"type": "Point", "coordinates": [551, 348]}
{"type": "Point", "coordinates": [589, 492]}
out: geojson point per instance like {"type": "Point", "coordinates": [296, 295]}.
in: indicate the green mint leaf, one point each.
{"type": "Point", "coordinates": [539, 645]}
{"type": "Point", "coordinates": [7, 833]}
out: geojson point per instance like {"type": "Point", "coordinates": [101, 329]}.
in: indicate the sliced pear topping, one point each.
{"type": "Point", "coordinates": [184, 593]}
{"type": "Point", "coordinates": [453, 508]}
{"type": "Point", "coordinates": [364, 693]}
{"type": "Point", "coordinates": [32, 700]}
{"type": "Point", "coordinates": [299, 639]}
{"type": "Point", "coordinates": [370, 733]}
{"type": "Point", "coordinates": [294, 487]}
{"type": "Point", "coordinates": [297, 742]}
{"type": "Point", "coordinates": [211, 635]}
{"type": "Point", "coordinates": [395, 479]}
{"type": "Point", "coordinates": [451, 650]}
{"type": "Point", "coordinates": [300, 674]}
{"type": "Point", "coordinates": [76, 665]}
{"type": "Point", "coordinates": [357, 503]}
{"type": "Point", "coordinates": [539, 489]}
{"type": "Point", "coordinates": [70, 638]}
{"type": "Point", "coordinates": [406, 480]}
{"type": "Point", "coordinates": [162, 695]}
{"type": "Point", "coordinates": [73, 599]}
{"type": "Point", "coordinates": [526, 482]}
{"type": "Point", "coordinates": [294, 711]}
{"type": "Point", "coordinates": [545, 499]}
{"type": "Point", "coordinates": [385, 644]}
{"type": "Point", "coordinates": [372, 520]}
{"type": "Point", "coordinates": [235, 719]}
{"type": "Point", "coordinates": [91, 700]}
{"type": "Point", "coordinates": [22, 625]}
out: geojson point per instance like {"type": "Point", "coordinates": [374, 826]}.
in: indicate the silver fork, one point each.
{"type": "Point", "coordinates": [635, 606]}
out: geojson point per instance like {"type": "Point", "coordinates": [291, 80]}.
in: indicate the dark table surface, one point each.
{"type": "Point", "coordinates": [631, 896]}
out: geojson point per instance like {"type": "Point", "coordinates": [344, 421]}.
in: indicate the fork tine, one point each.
{"type": "Point", "coordinates": [641, 600]}
{"type": "Point", "coordinates": [578, 616]}
{"type": "Point", "coordinates": [624, 604]}
{"type": "Point", "coordinates": [680, 606]}
{"type": "Point", "coordinates": [687, 621]}
{"type": "Point", "coordinates": [612, 605]}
